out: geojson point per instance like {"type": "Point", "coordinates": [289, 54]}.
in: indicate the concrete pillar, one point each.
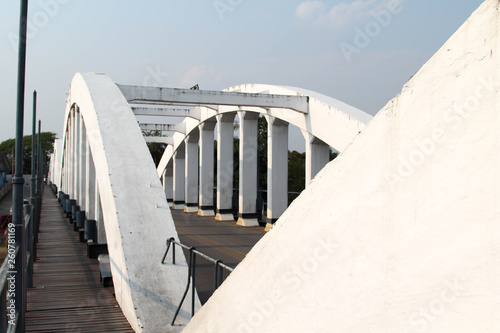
{"type": "Point", "coordinates": [82, 162]}
{"type": "Point", "coordinates": [69, 158]}
{"type": "Point", "coordinates": [247, 214]}
{"type": "Point", "coordinates": [225, 167]}
{"type": "Point", "coordinates": [90, 184]}
{"type": "Point", "coordinates": [192, 165]}
{"type": "Point", "coordinates": [206, 193]}
{"type": "Point", "coordinates": [317, 156]}
{"type": "Point", "coordinates": [71, 153]}
{"type": "Point", "coordinates": [99, 218]}
{"type": "Point", "coordinates": [277, 169]}
{"type": "Point", "coordinates": [76, 153]}
{"type": "Point", "coordinates": [65, 165]}
{"type": "Point", "coordinates": [168, 183]}
{"type": "Point", "coordinates": [179, 177]}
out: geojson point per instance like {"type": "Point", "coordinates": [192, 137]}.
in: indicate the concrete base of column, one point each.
{"type": "Point", "coordinates": [190, 209]}
{"type": "Point", "coordinates": [247, 222]}
{"type": "Point", "coordinates": [170, 203]}
{"type": "Point", "coordinates": [269, 223]}
{"type": "Point", "coordinates": [179, 205]}
{"type": "Point", "coordinates": [224, 217]}
{"type": "Point", "coordinates": [206, 212]}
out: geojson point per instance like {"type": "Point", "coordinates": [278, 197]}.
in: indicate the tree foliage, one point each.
{"type": "Point", "coordinates": [296, 171]}
{"type": "Point", "coordinates": [262, 152]}
{"type": "Point", "coordinates": [47, 140]}
{"type": "Point", "coordinates": [156, 149]}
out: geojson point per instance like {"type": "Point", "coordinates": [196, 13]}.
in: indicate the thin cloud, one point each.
{"type": "Point", "coordinates": [308, 9]}
{"type": "Point", "coordinates": [341, 14]}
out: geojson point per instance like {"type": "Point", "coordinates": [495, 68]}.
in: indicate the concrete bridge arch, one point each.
{"type": "Point", "coordinates": [96, 164]}
{"type": "Point", "coordinates": [324, 122]}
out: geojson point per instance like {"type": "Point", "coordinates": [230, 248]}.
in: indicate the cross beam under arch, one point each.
{"type": "Point", "coordinates": [146, 95]}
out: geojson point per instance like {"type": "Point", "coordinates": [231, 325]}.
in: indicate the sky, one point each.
{"type": "Point", "coordinates": [360, 52]}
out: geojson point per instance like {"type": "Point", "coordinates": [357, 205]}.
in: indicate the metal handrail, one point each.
{"type": "Point", "coordinates": [7, 325]}
{"type": "Point", "coordinates": [218, 271]}
{"type": "Point", "coordinates": [8, 322]}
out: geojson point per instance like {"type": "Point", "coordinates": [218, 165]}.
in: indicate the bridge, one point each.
{"type": "Point", "coordinates": [106, 177]}
{"type": "Point", "coordinates": [399, 234]}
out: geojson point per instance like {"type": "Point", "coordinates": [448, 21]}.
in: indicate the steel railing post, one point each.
{"type": "Point", "coordinates": [193, 275]}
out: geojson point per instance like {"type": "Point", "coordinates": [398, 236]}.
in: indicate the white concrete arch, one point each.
{"type": "Point", "coordinates": [330, 120]}
{"type": "Point", "coordinates": [103, 148]}
{"type": "Point", "coordinates": [323, 121]}
{"type": "Point", "coordinates": [102, 151]}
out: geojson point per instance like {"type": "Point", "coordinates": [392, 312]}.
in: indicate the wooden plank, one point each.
{"type": "Point", "coordinates": [67, 296]}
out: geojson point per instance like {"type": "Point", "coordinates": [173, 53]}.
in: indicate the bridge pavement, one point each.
{"type": "Point", "coordinates": [67, 296]}
{"type": "Point", "coordinates": [220, 240]}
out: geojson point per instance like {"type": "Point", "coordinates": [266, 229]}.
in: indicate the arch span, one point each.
{"type": "Point", "coordinates": [103, 150]}
{"type": "Point", "coordinates": [330, 120]}
{"type": "Point", "coordinates": [324, 122]}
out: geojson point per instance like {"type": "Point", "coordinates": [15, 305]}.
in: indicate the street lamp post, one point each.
{"type": "Point", "coordinates": [39, 177]}
{"type": "Point", "coordinates": [34, 148]}
{"type": "Point", "coordinates": [17, 272]}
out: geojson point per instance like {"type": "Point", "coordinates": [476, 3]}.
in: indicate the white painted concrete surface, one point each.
{"type": "Point", "coordinates": [400, 233]}
{"type": "Point", "coordinates": [206, 170]}
{"type": "Point", "coordinates": [136, 216]}
{"type": "Point", "coordinates": [143, 94]}
{"type": "Point", "coordinates": [328, 119]}
{"type": "Point", "coordinates": [334, 124]}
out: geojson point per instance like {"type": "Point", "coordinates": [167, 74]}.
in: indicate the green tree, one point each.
{"type": "Point", "coordinates": [47, 140]}
{"type": "Point", "coordinates": [296, 171]}
{"type": "Point", "coordinates": [262, 152]}
{"type": "Point", "coordinates": [333, 154]}
{"type": "Point", "coordinates": [236, 162]}
{"type": "Point", "coordinates": [156, 149]}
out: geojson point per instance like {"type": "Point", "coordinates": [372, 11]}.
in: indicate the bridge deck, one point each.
{"type": "Point", "coordinates": [219, 240]}
{"type": "Point", "coordinates": [67, 296]}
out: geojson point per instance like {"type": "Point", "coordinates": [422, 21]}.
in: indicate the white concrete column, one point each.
{"type": "Point", "coordinates": [71, 153]}
{"type": "Point", "coordinates": [90, 184]}
{"type": "Point", "coordinates": [82, 162]}
{"type": "Point", "coordinates": [168, 183]}
{"type": "Point", "coordinates": [206, 193]}
{"type": "Point", "coordinates": [76, 153]}
{"type": "Point", "coordinates": [179, 177]}
{"type": "Point", "coordinates": [277, 168]}
{"type": "Point", "coordinates": [247, 214]}
{"type": "Point", "coordinates": [62, 181]}
{"type": "Point", "coordinates": [192, 164]}
{"type": "Point", "coordinates": [69, 158]}
{"type": "Point", "coordinates": [317, 156]}
{"type": "Point", "coordinates": [65, 166]}
{"type": "Point", "coordinates": [225, 165]}
{"type": "Point", "coordinates": [99, 218]}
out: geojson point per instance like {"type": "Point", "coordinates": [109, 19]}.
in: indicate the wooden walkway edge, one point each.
{"type": "Point", "coordinates": [66, 294]}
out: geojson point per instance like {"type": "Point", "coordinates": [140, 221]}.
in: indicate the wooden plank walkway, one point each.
{"type": "Point", "coordinates": [67, 295]}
